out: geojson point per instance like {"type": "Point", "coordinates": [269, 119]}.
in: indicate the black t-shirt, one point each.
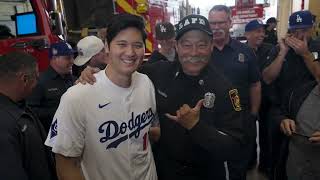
{"type": "Point", "coordinates": [238, 63]}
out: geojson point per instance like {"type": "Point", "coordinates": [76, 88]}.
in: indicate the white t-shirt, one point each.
{"type": "Point", "coordinates": [107, 126]}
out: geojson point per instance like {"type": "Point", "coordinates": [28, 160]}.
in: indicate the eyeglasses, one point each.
{"type": "Point", "coordinates": [218, 23]}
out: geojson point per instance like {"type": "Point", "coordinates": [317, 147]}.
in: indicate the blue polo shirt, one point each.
{"type": "Point", "coordinates": [238, 63]}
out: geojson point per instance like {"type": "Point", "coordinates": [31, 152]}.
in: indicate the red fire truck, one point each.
{"type": "Point", "coordinates": [30, 26]}
{"type": "Point", "coordinates": [33, 25]}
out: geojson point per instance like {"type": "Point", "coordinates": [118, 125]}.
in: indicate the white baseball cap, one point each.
{"type": "Point", "coordinates": [88, 47]}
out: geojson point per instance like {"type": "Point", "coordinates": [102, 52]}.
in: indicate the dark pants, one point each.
{"type": "Point", "coordinates": [278, 152]}
{"type": "Point", "coordinates": [265, 155]}
{"type": "Point", "coordinates": [238, 168]}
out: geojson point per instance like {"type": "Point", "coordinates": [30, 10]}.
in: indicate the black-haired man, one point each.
{"type": "Point", "coordinates": [23, 155]}
{"type": "Point", "coordinates": [105, 127]}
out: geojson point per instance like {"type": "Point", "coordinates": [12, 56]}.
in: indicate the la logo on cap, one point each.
{"type": "Point", "coordinates": [193, 21]}
{"type": "Point", "coordinates": [298, 19]}
{"type": "Point", "coordinates": [162, 28]}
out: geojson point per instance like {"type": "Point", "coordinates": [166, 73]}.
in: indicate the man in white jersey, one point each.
{"type": "Point", "coordinates": [104, 127]}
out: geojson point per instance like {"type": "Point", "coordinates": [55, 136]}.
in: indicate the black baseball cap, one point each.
{"type": "Point", "coordinates": [272, 20]}
{"type": "Point", "coordinates": [192, 22]}
{"type": "Point", "coordinates": [164, 31]}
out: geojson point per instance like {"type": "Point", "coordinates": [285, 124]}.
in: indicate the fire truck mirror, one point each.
{"type": "Point", "coordinates": [56, 23]}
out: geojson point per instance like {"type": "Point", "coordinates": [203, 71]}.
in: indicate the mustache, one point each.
{"type": "Point", "coordinates": [217, 31]}
{"type": "Point", "coordinates": [195, 59]}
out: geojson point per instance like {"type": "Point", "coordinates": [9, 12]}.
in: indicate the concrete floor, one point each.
{"type": "Point", "coordinates": [255, 175]}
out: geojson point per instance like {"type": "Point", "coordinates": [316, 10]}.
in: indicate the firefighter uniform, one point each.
{"type": "Point", "coordinates": [238, 63]}
{"type": "Point", "coordinates": [45, 98]}
{"type": "Point", "coordinates": [264, 156]}
{"type": "Point", "coordinates": [198, 153]}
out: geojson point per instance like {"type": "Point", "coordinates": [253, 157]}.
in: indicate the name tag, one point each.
{"type": "Point", "coordinates": [53, 89]}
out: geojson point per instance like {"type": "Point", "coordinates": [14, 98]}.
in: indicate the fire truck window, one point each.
{"type": "Point", "coordinates": [7, 11]}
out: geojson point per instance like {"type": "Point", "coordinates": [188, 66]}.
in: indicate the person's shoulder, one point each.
{"type": "Point", "coordinates": [80, 92]}
{"type": "Point", "coordinates": [156, 67]}
{"type": "Point", "coordinates": [241, 47]}
{"type": "Point", "coordinates": [142, 79]}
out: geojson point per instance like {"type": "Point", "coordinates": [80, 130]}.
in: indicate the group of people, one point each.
{"type": "Point", "coordinates": [188, 113]}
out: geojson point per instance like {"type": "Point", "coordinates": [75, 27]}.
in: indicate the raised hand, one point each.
{"type": "Point", "coordinates": [186, 116]}
{"type": "Point", "coordinates": [299, 46]}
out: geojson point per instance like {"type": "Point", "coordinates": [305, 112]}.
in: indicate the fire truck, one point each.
{"type": "Point", "coordinates": [33, 25]}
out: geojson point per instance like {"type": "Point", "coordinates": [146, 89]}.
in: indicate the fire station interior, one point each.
{"type": "Point", "coordinates": [33, 25]}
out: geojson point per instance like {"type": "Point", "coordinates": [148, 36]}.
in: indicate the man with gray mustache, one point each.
{"type": "Point", "coordinates": [201, 118]}
{"type": "Point", "coordinates": [238, 63]}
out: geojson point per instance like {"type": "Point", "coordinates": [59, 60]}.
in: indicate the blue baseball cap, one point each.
{"type": "Point", "coordinates": [300, 19]}
{"type": "Point", "coordinates": [61, 48]}
{"type": "Point", "coordinates": [253, 25]}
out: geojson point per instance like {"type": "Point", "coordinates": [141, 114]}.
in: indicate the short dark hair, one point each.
{"type": "Point", "coordinates": [123, 21]}
{"type": "Point", "coordinates": [14, 62]}
{"type": "Point", "coordinates": [221, 8]}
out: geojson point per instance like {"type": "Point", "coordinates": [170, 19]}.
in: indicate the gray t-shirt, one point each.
{"type": "Point", "coordinates": [308, 118]}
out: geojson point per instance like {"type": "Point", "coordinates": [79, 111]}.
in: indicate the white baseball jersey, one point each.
{"type": "Point", "coordinates": [107, 126]}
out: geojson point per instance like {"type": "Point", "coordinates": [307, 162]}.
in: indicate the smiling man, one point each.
{"type": "Point", "coordinates": [104, 127]}
{"type": "Point", "coordinates": [197, 135]}
{"type": "Point", "coordinates": [255, 33]}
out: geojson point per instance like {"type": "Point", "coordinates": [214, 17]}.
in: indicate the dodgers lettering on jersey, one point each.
{"type": "Point", "coordinates": [112, 130]}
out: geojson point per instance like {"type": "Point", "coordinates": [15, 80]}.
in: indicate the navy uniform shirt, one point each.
{"type": "Point", "coordinates": [190, 154]}
{"type": "Point", "coordinates": [238, 63]}
{"type": "Point", "coordinates": [262, 54]}
{"type": "Point", "coordinates": [45, 98]}
{"type": "Point", "coordinates": [23, 153]}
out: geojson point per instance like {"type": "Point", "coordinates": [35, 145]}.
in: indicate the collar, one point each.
{"type": "Point", "coordinates": [179, 72]}
{"type": "Point", "coordinates": [15, 109]}
{"type": "Point", "coordinates": [233, 44]}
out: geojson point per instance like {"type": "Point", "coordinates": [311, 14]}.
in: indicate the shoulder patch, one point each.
{"type": "Point", "coordinates": [235, 99]}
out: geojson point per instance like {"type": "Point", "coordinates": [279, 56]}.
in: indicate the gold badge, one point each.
{"type": "Point", "coordinates": [235, 99]}
{"type": "Point", "coordinates": [241, 57]}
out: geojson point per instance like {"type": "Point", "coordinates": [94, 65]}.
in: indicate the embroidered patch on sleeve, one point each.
{"type": "Point", "coordinates": [235, 99]}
